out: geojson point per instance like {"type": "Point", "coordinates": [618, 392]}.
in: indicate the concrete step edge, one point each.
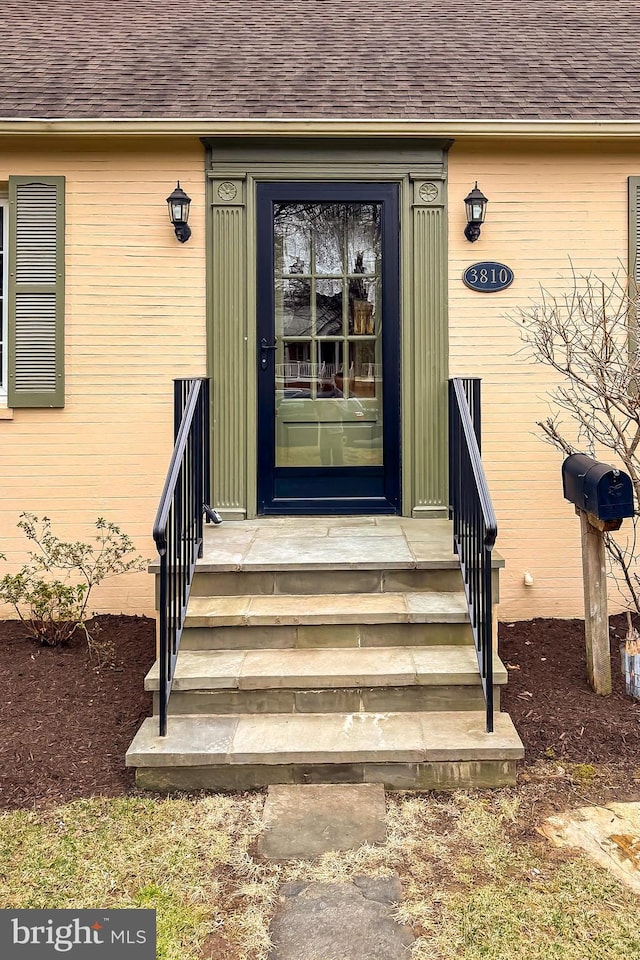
{"type": "Point", "coordinates": [327, 609]}
{"type": "Point", "coordinates": [283, 566]}
{"type": "Point", "coordinates": [324, 738]}
{"type": "Point", "coordinates": [295, 668]}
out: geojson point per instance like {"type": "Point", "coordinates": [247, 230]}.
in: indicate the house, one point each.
{"type": "Point", "coordinates": [327, 149]}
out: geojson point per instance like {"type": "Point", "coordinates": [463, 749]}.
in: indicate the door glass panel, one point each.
{"type": "Point", "coordinates": [328, 331]}
{"type": "Point", "coordinates": [330, 361]}
{"type": "Point", "coordinates": [327, 221]}
{"type": "Point", "coordinates": [292, 239]}
{"type": "Point", "coordinates": [294, 369]}
{"type": "Point", "coordinates": [293, 307]}
{"type": "Point", "coordinates": [363, 298]}
{"type": "Point", "coordinates": [365, 374]}
{"type": "Point", "coordinates": [363, 237]}
{"type": "Point", "coordinates": [328, 307]}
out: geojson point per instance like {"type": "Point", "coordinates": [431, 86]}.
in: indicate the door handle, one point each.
{"type": "Point", "coordinates": [264, 356]}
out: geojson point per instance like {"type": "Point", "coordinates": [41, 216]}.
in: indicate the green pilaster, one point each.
{"type": "Point", "coordinates": [634, 229]}
{"type": "Point", "coordinates": [227, 346]}
{"type": "Point", "coordinates": [430, 348]}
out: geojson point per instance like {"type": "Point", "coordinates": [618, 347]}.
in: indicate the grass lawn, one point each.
{"type": "Point", "coordinates": [478, 881]}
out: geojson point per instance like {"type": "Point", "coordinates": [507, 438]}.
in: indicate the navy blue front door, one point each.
{"type": "Point", "coordinates": [328, 348]}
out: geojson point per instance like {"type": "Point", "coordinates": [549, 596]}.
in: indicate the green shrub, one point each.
{"type": "Point", "coordinates": [51, 592]}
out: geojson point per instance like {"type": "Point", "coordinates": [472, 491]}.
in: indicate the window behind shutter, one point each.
{"type": "Point", "coordinates": [36, 292]}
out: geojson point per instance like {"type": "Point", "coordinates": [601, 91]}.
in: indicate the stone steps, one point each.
{"type": "Point", "coordinates": [407, 750]}
{"type": "Point", "coordinates": [327, 650]}
{"type": "Point", "coordinates": [326, 680]}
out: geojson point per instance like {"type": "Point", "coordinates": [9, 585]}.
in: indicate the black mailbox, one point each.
{"type": "Point", "coordinates": [597, 488]}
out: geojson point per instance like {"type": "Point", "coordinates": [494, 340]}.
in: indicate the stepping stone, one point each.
{"type": "Point", "coordinates": [610, 835]}
{"type": "Point", "coordinates": [345, 921]}
{"type": "Point", "coordinates": [306, 820]}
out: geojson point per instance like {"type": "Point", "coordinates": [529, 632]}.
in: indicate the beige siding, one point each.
{"type": "Point", "coordinates": [548, 203]}
{"type": "Point", "coordinates": [135, 318]}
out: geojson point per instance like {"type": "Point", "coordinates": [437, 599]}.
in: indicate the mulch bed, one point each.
{"type": "Point", "coordinates": [552, 706]}
{"type": "Point", "coordinates": [66, 722]}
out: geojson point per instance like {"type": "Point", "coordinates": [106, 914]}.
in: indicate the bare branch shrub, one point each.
{"type": "Point", "coordinates": [589, 337]}
{"type": "Point", "coordinates": [50, 593]}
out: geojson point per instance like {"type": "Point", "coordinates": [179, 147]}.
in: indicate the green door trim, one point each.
{"type": "Point", "coordinates": [233, 169]}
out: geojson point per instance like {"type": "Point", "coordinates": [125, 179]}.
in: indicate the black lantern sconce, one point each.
{"type": "Point", "coordinates": [476, 206]}
{"type": "Point", "coordinates": [179, 204]}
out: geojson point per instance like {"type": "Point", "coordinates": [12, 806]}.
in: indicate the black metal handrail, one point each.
{"type": "Point", "coordinates": [178, 528]}
{"type": "Point", "coordinates": [474, 522]}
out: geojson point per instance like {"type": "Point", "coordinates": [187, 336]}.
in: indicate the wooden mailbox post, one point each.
{"type": "Point", "coordinates": [596, 617]}
{"type": "Point", "coordinates": [603, 497]}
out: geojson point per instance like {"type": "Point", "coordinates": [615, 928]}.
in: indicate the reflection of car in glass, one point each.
{"type": "Point", "coordinates": [325, 392]}
{"type": "Point", "coordinates": [334, 429]}
{"type": "Point", "coordinates": [297, 404]}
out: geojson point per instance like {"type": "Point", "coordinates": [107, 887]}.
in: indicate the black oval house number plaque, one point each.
{"type": "Point", "coordinates": [488, 277]}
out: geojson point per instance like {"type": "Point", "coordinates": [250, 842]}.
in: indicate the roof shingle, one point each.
{"type": "Point", "coordinates": [320, 59]}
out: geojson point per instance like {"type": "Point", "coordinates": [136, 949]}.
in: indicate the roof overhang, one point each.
{"type": "Point", "coordinates": [219, 127]}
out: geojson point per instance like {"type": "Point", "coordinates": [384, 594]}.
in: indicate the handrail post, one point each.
{"type": "Point", "coordinates": [207, 441]}
{"type": "Point", "coordinates": [206, 447]}
{"type": "Point", "coordinates": [163, 636]}
{"type": "Point", "coordinates": [474, 523]}
{"type": "Point", "coordinates": [178, 406]}
{"type": "Point", "coordinates": [452, 472]}
{"type": "Point", "coordinates": [178, 529]}
{"type": "Point", "coordinates": [476, 411]}
{"type": "Point", "coordinates": [488, 636]}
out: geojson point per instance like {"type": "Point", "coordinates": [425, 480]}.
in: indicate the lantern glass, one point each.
{"type": "Point", "coordinates": [178, 203]}
{"type": "Point", "coordinates": [477, 211]}
{"type": "Point", "coordinates": [179, 212]}
{"type": "Point", "coordinates": [476, 206]}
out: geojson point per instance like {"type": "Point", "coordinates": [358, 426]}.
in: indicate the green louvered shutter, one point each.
{"type": "Point", "coordinates": [36, 292]}
{"type": "Point", "coordinates": [634, 232]}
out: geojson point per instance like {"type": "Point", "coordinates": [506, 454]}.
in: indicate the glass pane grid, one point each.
{"type": "Point", "coordinates": [327, 282]}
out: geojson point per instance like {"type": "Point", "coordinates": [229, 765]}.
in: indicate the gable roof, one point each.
{"type": "Point", "coordinates": [320, 59]}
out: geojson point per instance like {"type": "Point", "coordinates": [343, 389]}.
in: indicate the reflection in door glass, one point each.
{"type": "Point", "coordinates": [328, 333]}
{"type": "Point", "coordinates": [363, 237]}
{"type": "Point", "coordinates": [362, 306]}
{"type": "Point", "coordinates": [329, 307]}
{"type": "Point", "coordinates": [293, 307]}
{"type": "Point", "coordinates": [292, 239]}
{"type": "Point", "coordinates": [330, 366]}
{"type": "Point", "coordinates": [327, 237]}
{"type": "Point", "coordinates": [365, 375]}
